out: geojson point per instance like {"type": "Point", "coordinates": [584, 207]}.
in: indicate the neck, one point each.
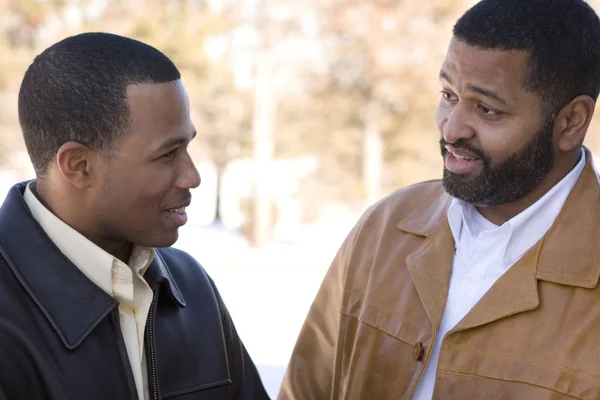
{"type": "Point", "coordinates": [77, 218]}
{"type": "Point", "coordinates": [121, 251]}
{"type": "Point", "coordinates": [504, 212]}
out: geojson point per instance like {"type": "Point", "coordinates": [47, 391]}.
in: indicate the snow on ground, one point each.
{"type": "Point", "coordinates": [269, 291]}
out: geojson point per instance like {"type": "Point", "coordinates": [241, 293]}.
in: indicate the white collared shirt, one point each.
{"type": "Point", "coordinates": [123, 282]}
{"type": "Point", "coordinates": [485, 251]}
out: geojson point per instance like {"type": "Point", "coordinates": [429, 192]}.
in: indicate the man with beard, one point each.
{"type": "Point", "coordinates": [483, 285]}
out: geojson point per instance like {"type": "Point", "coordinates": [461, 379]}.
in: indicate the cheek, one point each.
{"type": "Point", "coordinates": [441, 115]}
{"type": "Point", "coordinates": [499, 143]}
{"type": "Point", "coordinates": [139, 191]}
{"type": "Point", "coordinates": [129, 198]}
{"type": "Point", "coordinates": [145, 199]}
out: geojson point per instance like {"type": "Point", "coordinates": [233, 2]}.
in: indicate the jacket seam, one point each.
{"type": "Point", "coordinates": [389, 311]}
{"type": "Point", "coordinates": [179, 295]}
{"type": "Point", "coordinates": [212, 385]}
{"type": "Point", "coordinates": [377, 329]}
{"type": "Point", "coordinates": [506, 380]}
{"type": "Point", "coordinates": [418, 207]}
{"type": "Point", "coordinates": [526, 360]}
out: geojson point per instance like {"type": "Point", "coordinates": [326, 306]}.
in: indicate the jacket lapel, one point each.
{"type": "Point", "coordinates": [73, 304]}
{"type": "Point", "coordinates": [431, 265]}
{"type": "Point", "coordinates": [516, 291]}
{"type": "Point", "coordinates": [568, 254]}
{"type": "Point", "coordinates": [430, 268]}
{"type": "Point", "coordinates": [571, 249]}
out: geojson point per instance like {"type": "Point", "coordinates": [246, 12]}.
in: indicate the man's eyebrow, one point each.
{"type": "Point", "coordinates": [488, 93]}
{"type": "Point", "coordinates": [445, 76]}
{"type": "Point", "coordinates": [477, 89]}
{"type": "Point", "coordinates": [173, 142]}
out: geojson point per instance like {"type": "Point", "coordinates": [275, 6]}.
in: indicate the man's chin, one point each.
{"type": "Point", "coordinates": [463, 187]}
{"type": "Point", "coordinates": [165, 240]}
{"type": "Point", "coordinates": [453, 178]}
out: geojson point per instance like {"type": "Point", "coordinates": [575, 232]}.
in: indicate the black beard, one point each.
{"type": "Point", "coordinates": [510, 181]}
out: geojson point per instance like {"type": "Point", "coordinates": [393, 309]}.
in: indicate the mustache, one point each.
{"type": "Point", "coordinates": [465, 145]}
{"type": "Point", "coordinates": [186, 199]}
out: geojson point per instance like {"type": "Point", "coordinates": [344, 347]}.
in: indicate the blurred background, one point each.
{"type": "Point", "coordinates": [307, 112]}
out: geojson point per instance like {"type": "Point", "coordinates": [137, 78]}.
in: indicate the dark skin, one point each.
{"type": "Point", "coordinates": [128, 198]}
{"type": "Point", "coordinates": [484, 101]}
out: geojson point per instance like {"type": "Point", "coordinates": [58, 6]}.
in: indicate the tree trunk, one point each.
{"type": "Point", "coordinates": [218, 218]}
{"type": "Point", "coordinates": [372, 153]}
{"type": "Point", "coordinates": [264, 119]}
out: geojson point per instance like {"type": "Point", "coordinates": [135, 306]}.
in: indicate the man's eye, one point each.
{"type": "Point", "coordinates": [487, 111]}
{"type": "Point", "coordinates": [447, 95]}
{"type": "Point", "coordinates": [169, 155]}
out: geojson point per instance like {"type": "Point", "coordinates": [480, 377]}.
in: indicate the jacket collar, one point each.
{"type": "Point", "coordinates": [158, 274]}
{"type": "Point", "coordinates": [577, 224]}
{"type": "Point", "coordinates": [73, 304]}
{"type": "Point", "coordinates": [430, 216]}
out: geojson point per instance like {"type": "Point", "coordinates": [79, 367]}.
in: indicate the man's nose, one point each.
{"type": "Point", "coordinates": [457, 125]}
{"type": "Point", "coordinates": [190, 176]}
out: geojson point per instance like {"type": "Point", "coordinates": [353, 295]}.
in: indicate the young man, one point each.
{"type": "Point", "coordinates": [483, 285]}
{"type": "Point", "coordinates": [95, 305]}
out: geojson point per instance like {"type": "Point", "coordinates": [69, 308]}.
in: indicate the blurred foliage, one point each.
{"type": "Point", "coordinates": [382, 53]}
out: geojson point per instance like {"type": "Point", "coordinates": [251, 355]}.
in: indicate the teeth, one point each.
{"type": "Point", "coordinates": [178, 210]}
{"type": "Point", "coordinates": [461, 158]}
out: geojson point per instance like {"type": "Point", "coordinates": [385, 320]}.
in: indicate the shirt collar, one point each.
{"type": "Point", "coordinates": [93, 261]}
{"type": "Point", "coordinates": [71, 302]}
{"type": "Point", "coordinates": [526, 228]}
{"type": "Point", "coordinates": [530, 225]}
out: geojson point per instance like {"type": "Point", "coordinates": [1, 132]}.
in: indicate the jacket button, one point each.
{"type": "Point", "coordinates": [419, 351]}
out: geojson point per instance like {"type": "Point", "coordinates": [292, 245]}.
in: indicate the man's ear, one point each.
{"type": "Point", "coordinates": [74, 163]}
{"type": "Point", "coordinates": [573, 122]}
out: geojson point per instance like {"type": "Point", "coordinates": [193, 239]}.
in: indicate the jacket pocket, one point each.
{"type": "Point", "coordinates": [212, 391]}
{"type": "Point", "coordinates": [380, 354]}
{"type": "Point", "coordinates": [512, 377]}
{"type": "Point", "coordinates": [388, 321]}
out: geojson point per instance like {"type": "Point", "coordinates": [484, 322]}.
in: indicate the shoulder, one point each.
{"type": "Point", "coordinates": [192, 280]}
{"type": "Point", "coordinates": [17, 351]}
{"type": "Point", "coordinates": [380, 221]}
{"type": "Point", "coordinates": [403, 202]}
{"type": "Point", "coordinates": [184, 268]}
{"type": "Point", "coordinates": [412, 196]}
{"type": "Point", "coordinates": [177, 257]}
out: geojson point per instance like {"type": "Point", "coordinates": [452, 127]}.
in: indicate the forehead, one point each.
{"type": "Point", "coordinates": [159, 110]}
{"type": "Point", "coordinates": [499, 69]}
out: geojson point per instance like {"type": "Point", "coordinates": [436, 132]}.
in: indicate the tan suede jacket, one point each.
{"type": "Point", "coordinates": [535, 334]}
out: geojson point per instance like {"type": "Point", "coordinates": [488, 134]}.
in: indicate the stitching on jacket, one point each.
{"type": "Point", "coordinates": [527, 360]}
{"type": "Point", "coordinates": [378, 329]}
{"type": "Point", "coordinates": [212, 385]}
{"type": "Point", "coordinates": [508, 380]}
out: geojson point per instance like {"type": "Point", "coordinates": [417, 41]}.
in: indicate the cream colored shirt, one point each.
{"type": "Point", "coordinates": [121, 281]}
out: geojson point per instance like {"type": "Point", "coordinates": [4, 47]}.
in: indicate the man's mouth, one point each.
{"type": "Point", "coordinates": [461, 155]}
{"type": "Point", "coordinates": [180, 210]}
{"type": "Point", "coordinates": [177, 215]}
{"type": "Point", "coordinates": [461, 162]}
{"type": "Point", "coordinates": [461, 158]}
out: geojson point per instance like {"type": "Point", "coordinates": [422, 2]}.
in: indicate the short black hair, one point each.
{"type": "Point", "coordinates": [76, 90]}
{"type": "Point", "coordinates": [561, 37]}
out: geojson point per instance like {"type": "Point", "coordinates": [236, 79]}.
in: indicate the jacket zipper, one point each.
{"type": "Point", "coordinates": [151, 346]}
{"type": "Point", "coordinates": [124, 357]}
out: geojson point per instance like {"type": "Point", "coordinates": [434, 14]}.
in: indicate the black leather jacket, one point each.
{"type": "Point", "coordinates": [60, 337]}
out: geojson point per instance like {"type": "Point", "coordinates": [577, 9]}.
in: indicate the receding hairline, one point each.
{"type": "Point", "coordinates": [149, 85]}
{"type": "Point", "coordinates": [528, 62]}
